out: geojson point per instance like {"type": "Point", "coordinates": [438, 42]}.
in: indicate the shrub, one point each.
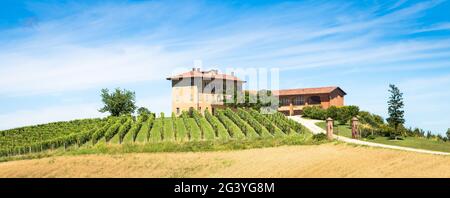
{"type": "Point", "coordinates": [174, 125]}
{"type": "Point", "coordinates": [314, 112]}
{"type": "Point", "coordinates": [168, 132]}
{"type": "Point", "coordinates": [332, 112]}
{"type": "Point", "coordinates": [279, 122]}
{"type": "Point", "coordinates": [124, 129]}
{"type": "Point", "coordinates": [109, 134]}
{"type": "Point", "coordinates": [85, 136]}
{"type": "Point", "coordinates": [386, 130]}
{"type": "Point", "coordinates": [244, 126]}
{"type": "Point", "coordinates": [371, 119]}
{"type": "Point", "coordinates": [218, 127]}
{"type": "Point", "coordinates": [206, 129]}
{"type": "Point", "coordinates": [154, 133]}
{"type": "Point", "coordinates": [346, 113]}
{"type": "Point", "coordinates": [232, 128]}
{"type": "Point", "coordinates": [259, 128]}
{"type": "Point", "coordinates": [352, 110]}
{"type": "Point", "coordinates": [319, 137]}
{"type": "Point", "coordinates": [273, 129]}
{"type": "Point", "coordinates": [366, 130]}
{"type": "Point", "coordinates": [188, 127]}
{"type": "Point", "coordinates": [136, 128]}
{"type": "Point", "coordinates": [195, 132]}
{"type": "Point", "coordinates": [297, 127]}
{"type": "Point", "coordinates": [101, 131]}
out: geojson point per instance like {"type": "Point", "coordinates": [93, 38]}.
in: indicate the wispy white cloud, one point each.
{"type": "Point", "coordinates": [45, 114]}
{"type": "Point", "coordinates": [435, 27]}
{"type": "Point", "coordinates": [77, 53]}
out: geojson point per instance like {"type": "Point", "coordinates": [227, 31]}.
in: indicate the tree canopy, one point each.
{"type": "Point", "coordinates": [119, 102]}
{"type": "Point", "coordinates": [143, 110]}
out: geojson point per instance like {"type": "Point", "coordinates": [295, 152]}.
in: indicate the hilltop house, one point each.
{"type": "Point", "coordinates": [202, 90]}
{"type": "Point", "coordinates": [207, 90]}
{"type": "Point", "coordinates": [292, 101]}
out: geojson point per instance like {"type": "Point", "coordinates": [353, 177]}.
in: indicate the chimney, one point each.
{"type": "Point", "coordinates": [193, 69]}
{"type": "Point", "coordinates": [232, 73]}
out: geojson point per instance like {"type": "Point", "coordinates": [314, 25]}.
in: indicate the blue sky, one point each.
{"type": "Point", "coordinates": [55, 56]}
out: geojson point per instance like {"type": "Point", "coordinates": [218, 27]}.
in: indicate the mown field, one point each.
{"type": "Point", "coordinates": [227, 129]}
{"type": "Point", "coordinates": [325, 160]}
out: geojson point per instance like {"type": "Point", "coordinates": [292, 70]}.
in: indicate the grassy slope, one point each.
{"type": "Point", "coordinates": [155, 132]}
{"type": "Point", "coordinates": [182, 133]}
{"type": "Point", "coordinates": [413, 142]}
{"type": "Point", "coordinates": [196, 133]}
{"type": "Point", "coordinates": [168, 134]}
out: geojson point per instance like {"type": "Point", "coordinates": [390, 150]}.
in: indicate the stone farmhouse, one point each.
{"type": "Point", "coordinates": [207, 90]}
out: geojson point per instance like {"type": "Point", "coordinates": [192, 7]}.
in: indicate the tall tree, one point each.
{"type": "Point", "coordinates": [395, 109]}
{"type": "Point", "coordinates": [448, 134]}
{"type": "Point", "coordinates": [119, 102]}
{"type": "Point", "coordinates": [143, 110]}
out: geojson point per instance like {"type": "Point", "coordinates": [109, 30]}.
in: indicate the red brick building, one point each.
{"type": "Point", "coordinates": [292, 101]}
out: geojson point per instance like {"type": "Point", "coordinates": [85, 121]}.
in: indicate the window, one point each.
{"type": "Point", "coordinates": [299, 100]}
{"type": "Point", "coordinates": [178, 110]}
{"type": "Point", "coordinates": [285, 101]}
{"type": "Point", "coordinates": [313, 100]}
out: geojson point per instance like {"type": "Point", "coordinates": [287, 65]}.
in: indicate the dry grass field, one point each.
{"type": "Point", "coordinates": [327, 160]}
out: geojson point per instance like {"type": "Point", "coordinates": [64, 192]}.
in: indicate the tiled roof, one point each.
{"type": "Point", "coordinates": [304, 91]}
{"type": "Point", "coordinates": [204, 74]}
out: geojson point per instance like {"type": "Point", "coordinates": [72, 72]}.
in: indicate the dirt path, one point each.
{"type": "Point", "coordinates": [327, 160]}
{"type": "Point", "coordinates": [311, 125]}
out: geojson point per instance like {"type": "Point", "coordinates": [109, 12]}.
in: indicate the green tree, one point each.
{"type": "Point", "coordinates": [395, 108]}
{"type": "Point", "coordinates": [346, 113]}
{"type": "Point", "coordinates": [448, 134]}
{"type": "Point", "coordinates": [429, 135]}
{"type": "Point", "coordinates": [353, 111]}
{"type": "Point", "coordinates": [119, 102]}
{"type": "Point", "coordinates": [332, 112]}
{"type": "Point", "coordinates": [143, 110]}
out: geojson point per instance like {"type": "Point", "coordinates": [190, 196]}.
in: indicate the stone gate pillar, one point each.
{"type": "Point", "coordinates": [330, 128]}
{"type": "Point", "coordinates": [291, 109]}
{"type": "Point", "coordinates": [355, 133]}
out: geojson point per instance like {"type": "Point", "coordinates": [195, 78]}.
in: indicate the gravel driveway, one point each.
{"type": "Point", "coordinates": [311, 125]}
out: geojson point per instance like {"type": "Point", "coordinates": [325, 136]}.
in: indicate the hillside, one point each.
{"type": "Point", "coordinates": [326, 160]}
{"type": "Point", "coordinates": [150, 131]}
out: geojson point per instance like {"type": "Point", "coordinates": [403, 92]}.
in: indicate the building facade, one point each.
{"type": "Point", "coordinates": [202, 90]}
{"type": "Point", "coordinates": [292, 101]}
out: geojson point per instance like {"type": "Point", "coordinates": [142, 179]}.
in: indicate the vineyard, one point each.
{"type": "Point", "coordinates": [146, 129]}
